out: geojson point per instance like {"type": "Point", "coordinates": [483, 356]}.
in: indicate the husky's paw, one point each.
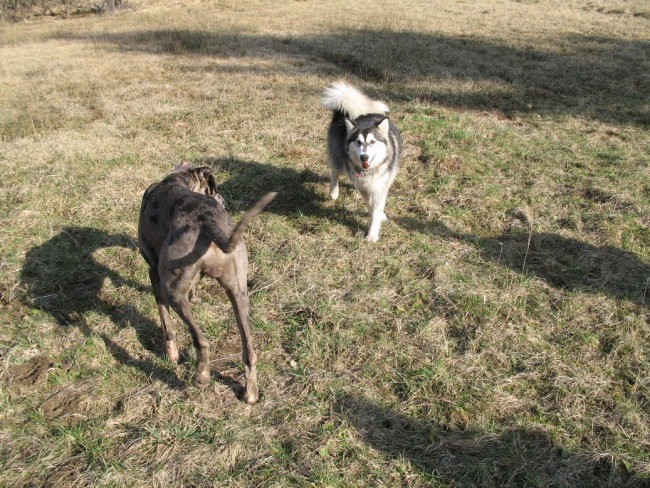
{"type": "Point", "coordinates": [334, 194]}
{"type": "Point", "coordinates": [383, 217]}
{"type": "Point", "coordinates": [372, 237]}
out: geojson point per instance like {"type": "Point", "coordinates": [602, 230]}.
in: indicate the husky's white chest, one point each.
{"type": "Point", "coordinates": [372, 181]}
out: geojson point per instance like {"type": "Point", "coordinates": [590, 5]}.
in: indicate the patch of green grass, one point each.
{"type": "Point", "coordinates": [495, 336]}
{"type": "Point", "coordinates": [86, 441]}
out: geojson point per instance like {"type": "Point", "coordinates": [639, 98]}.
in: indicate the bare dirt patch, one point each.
{"type": "Point", "coordinates": [75, 403]}
{"type": "Point", "coordinates": [497, 334]}
{"type": "Point", "coordinates": [30, 373]}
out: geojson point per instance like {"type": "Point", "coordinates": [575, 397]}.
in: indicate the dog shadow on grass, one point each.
{"type": "Point", "coordinates": [562, 262]}
{"type": "Point", "coordinates": [241, 183]}
{"type": "Point", "coordinates": [513, 457]}
{"type": "Point", "coordinates": [63, 278]}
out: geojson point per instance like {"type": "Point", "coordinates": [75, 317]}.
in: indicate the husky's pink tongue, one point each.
{"type": "Point", "coordinates": [365, 165]}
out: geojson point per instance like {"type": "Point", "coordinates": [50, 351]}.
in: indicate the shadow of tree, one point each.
{"type": "Point", "coordinates": [63, 278]}
{"type": "Point", "coordinates": [513, 457]}
{"type": "Point", "coordinates": [562, 262]}
{"type": "Point", "coordinates": [597, 77]}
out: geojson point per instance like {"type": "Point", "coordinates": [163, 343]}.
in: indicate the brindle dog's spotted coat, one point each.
{"type": "Point", "coordinates": [184, 233]}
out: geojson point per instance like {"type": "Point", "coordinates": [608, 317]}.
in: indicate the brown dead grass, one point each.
{"type": "Point", "coordinates": [495, 336]}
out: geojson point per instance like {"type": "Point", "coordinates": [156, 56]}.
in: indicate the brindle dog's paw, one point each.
{"type": "Point", "coordinates": [251, 397]}
{"type": "Point", "coordinates": [202, 380]}
{"type": "Point", "coordinates": [171, 350]}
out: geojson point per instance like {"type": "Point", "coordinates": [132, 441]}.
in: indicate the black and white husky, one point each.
{"type": "Point", "coordinates": [363, 143]}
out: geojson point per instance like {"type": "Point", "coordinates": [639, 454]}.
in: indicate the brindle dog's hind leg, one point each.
{"type": "Point", "coordinates": [175, 291]}
{"type": "Point", "coordinates": [235, 285]}
{"type": "Point", "coordinates": [171, 348]}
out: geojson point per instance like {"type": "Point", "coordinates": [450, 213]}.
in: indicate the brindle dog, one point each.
{"type": "Point", "coordinates": [184, 233]}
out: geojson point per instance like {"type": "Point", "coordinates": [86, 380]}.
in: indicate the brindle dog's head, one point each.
{"type": "Point", "coordinates": [200, 180]}
{"type": "Point", "coordinates": [203, 181]}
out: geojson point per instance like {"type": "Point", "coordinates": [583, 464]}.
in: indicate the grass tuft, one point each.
{"type": "Point", "coordinates": [495, 336]}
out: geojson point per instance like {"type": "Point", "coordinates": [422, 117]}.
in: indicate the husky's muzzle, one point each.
{"type": "Point", "coordinates": [365, 163]}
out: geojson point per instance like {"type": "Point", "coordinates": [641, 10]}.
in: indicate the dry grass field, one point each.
{"type": "Point", "coordinates": [496, 336]}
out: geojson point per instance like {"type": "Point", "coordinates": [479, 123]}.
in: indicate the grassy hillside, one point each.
{"type": "Point", "coordinates": [497, 335]}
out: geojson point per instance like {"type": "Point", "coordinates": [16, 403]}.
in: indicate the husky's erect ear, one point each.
{"type": "Point", "coordinates": [384, 126]}
{"type": "Point", "coordinates": [349, 125]}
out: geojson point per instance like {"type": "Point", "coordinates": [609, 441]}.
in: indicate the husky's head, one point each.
{"type": "Point", "coordinates": [367, 139]}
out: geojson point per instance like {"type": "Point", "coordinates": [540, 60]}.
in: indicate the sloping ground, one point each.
{"type": "Point", "coordinates": [497, 335]}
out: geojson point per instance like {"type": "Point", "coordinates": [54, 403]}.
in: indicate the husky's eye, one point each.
{"type": "Point", "coordinates": [371, 142]}
{"type": "Point", "coordinates": [359, 143]}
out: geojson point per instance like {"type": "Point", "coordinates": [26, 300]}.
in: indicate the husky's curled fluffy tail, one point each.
{"type": "Point", "coordinates": [340, 97]}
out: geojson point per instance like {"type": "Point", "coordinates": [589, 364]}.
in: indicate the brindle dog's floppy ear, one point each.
{"type": "Point", "coordinates": [182, 166]}
{"type": "Point", "coordinates": [206, 174]}
{"type": "Point", "coordinates": [212, 185]}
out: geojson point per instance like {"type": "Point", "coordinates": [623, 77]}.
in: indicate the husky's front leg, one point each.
{"type": "Point", "coordinates": [334, 184]}
{"type": "Point", "coordinates": [376, 203]}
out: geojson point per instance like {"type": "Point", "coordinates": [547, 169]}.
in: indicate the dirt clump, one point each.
{"type": "Point", "coordinates": [76, 403]}
{"type": "Point", "coordinates": [30, 373]}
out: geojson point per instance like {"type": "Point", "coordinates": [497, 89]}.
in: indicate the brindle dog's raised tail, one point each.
{"type": "Point", "coordinates": [235, 237]}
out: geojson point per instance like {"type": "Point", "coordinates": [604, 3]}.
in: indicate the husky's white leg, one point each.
{"type": "Point", "coordinates": [334, 185]}
{"type": "Point", "coordinates": [376, 203]}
